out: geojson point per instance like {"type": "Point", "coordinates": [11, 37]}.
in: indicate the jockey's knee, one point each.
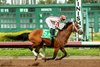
{"type": "Point", "coordinates": [52, 32]}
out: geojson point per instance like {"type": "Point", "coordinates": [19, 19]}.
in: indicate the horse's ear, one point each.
{"type": "Point", "coordinates": [75, 21]}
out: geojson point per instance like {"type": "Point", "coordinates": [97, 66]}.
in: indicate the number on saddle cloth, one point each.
{"type": "Point", "coordinates": [46, 33]}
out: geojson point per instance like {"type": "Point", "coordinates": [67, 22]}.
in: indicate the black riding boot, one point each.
{"type": "Point", "coordinates": [52, 32]}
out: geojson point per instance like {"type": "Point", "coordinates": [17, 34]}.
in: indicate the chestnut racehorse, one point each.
{"type": "Point", "coordinates": [59, 41]}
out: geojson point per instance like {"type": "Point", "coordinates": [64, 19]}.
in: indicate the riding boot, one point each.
{"type": "Point", "coordinates": [52, 32]}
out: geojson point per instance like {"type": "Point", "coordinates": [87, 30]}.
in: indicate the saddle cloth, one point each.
{"type": "Point", "coordinates": [46, 33]}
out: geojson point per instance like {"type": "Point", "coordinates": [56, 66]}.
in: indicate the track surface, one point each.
{"type": "Point", "coordinates": [68, 62]}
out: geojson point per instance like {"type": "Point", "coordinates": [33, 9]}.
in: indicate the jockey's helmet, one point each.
{"type": "Point", "coordinates": [63, 17]}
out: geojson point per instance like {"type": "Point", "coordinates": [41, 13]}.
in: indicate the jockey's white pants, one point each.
{"type": "Point", "coordinates": [49, 23]}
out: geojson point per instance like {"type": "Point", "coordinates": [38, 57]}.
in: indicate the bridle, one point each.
{"type": "Point", "coordinates": [75, 28]}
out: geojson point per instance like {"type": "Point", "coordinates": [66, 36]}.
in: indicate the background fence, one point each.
{"type": "Point", "coordinates": [19, 17]}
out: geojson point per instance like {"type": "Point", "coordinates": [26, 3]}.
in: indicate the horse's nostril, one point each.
{"type": "Point", "coordinates": [80, 32]}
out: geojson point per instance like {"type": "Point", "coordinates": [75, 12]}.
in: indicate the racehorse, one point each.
{"type": "Point", "coordinates": [59, 41]}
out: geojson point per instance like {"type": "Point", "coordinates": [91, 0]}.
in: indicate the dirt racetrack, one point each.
{"type": "Point", "coordinates": [68, 62]}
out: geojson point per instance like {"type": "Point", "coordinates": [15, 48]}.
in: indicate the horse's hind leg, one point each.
{"type": "Point", "coordinates": [65, 53]}
{"type": "Point", "coordinates": [35, 51]}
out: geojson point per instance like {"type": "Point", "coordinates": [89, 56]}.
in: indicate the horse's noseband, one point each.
{"type": "Point", "coordinates": [75, 28]}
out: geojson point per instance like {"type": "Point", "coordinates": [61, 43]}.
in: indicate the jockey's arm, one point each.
{"type": "Point", "coordinates": [57, 25]}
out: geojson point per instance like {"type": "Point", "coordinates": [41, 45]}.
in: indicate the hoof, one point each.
{"type": "Point", "coordinates": [36, 57]}
{"type": "Point", "coordinates": [58, 59]}
{"type": "Point", "coordinates": [44, 59]}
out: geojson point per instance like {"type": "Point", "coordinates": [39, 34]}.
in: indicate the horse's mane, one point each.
{"type": "Point", "coordinates": [66, 25]}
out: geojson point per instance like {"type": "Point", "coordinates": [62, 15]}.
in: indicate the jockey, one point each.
{"type": "Point", "coordinates": [53, 22]}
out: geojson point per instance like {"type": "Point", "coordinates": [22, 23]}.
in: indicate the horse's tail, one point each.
{"type": "Point", "coordinates": [22, 37]}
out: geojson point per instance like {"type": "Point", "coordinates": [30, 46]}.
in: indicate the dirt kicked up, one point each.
{"type": "Point", "coordinates": [67, 62]}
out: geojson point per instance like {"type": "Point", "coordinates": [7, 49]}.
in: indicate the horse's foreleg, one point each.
{"type": "Point", "coordinates": [54, 55]}
{"type": "Point", "coordinates": [65, 53]}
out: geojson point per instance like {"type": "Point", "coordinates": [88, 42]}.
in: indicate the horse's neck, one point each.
{"type": "Point", "coordinates": [68, 32]}
{"type": "Point", "coordinates": [65, 34]}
